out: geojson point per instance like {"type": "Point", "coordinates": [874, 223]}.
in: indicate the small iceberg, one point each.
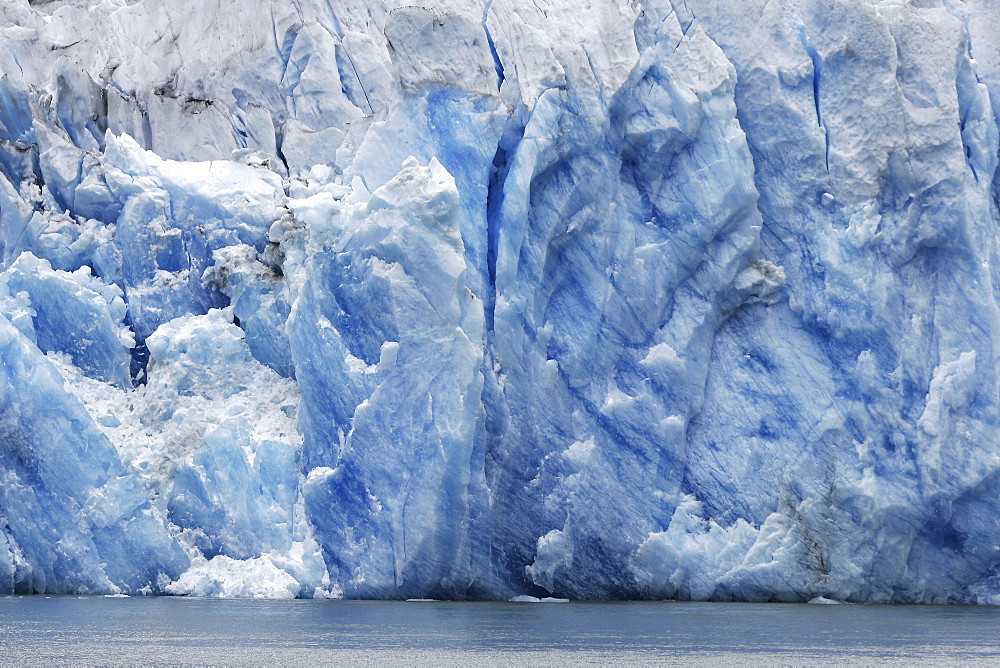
{"type": "Point", "coordinates": [534, 599]}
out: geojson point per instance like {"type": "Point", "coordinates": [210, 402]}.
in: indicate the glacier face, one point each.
{"type": "Point", "coordinates": [592, 299]}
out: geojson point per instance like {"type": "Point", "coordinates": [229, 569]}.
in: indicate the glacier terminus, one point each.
{"type": "Point", "coordinates": [482, 299]}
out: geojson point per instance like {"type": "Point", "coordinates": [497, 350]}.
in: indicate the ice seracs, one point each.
{"type": "Point", "coordinates": [503, 299]}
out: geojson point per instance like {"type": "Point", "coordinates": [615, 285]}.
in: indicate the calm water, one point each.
{"type": "Point", "coordinates": [47, 630]}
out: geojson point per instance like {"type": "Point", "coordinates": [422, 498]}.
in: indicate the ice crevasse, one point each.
{"type": "Point", "coordinates": [605, 299]}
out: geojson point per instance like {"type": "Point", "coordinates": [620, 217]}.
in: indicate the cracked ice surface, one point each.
{"type": "Point", "coordinates": [490, 299]}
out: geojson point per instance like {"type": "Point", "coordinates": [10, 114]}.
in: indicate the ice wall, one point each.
{"type": "Point", "coordinates": [593, 299]}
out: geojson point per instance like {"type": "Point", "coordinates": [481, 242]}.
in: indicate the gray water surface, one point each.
{"type": "Point", "coordinates": [100, 630]}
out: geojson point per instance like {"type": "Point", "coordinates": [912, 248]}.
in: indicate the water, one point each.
{"type": "Point", "coordinates": [91, 630]}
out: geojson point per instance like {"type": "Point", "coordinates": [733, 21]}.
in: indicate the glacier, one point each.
{"type": "Point", "coordinates": [500, 299]}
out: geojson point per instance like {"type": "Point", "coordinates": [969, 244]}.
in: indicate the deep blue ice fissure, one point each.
{"type": "Point", "coordinates": [671, 300]}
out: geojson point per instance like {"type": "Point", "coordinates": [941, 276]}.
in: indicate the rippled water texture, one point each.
{"type": "Point", "coordinates": [177, 630]}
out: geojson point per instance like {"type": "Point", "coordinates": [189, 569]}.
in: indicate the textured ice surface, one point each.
{"type": "Point", "coordinates": [501, 299]}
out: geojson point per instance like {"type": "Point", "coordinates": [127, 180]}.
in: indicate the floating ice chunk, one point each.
{"type": "Point", "coordinates": [524, 598]}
